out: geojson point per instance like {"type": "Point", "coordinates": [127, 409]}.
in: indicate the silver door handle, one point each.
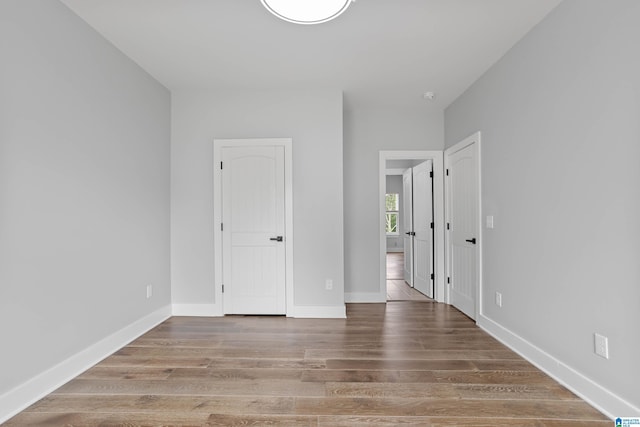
{"type": "Point", "coordinates": [277, 239]}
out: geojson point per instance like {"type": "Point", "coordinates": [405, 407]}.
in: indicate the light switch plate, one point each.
{"type": "Point", "coordinates": [489, 221]}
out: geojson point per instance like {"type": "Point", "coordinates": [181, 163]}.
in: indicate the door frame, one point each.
{"type": "Point", "coordinates": [218, 144]}
{"type": "Point", "coordinates": [438, 217]}
{"type": "Point", "coordinates": [472, 139]}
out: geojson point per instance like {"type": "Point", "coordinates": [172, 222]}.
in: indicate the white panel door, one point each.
{"type": "Point", "coordinates": [462, 203]}
{"type": "Point", "coordinates": [423, 228]}
{"type": "Point", "coordinates": [407, 220]}
{"type": "Point", "coordinates": [253, 218]}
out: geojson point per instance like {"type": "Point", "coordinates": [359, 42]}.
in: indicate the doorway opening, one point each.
{"type": "Point", "coordinates": [401, 277]}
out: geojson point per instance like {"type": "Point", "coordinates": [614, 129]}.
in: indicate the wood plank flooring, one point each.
{"type": "Point", "coordinates": [397, 288]}
{"type": "Point", "coordinates": [395, 265]}
{"type": "Point", "coordinates": [401, 364]}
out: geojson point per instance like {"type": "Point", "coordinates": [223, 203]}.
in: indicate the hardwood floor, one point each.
{"type": "Point", "coordinates": [401, 364]}
{"type": "Point", "coordinates": [395, 265]}
{"type": "Point", "coordinates": [397, 288]}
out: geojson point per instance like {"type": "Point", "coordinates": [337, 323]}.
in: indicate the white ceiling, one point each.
{"type": "Point", "coordinates": [380, 52]}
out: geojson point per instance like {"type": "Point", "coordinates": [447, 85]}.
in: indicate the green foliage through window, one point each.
{"type": "Point", "coordinates": [391, 217]}
{"type": "Point", "coordinates": [392, 202]}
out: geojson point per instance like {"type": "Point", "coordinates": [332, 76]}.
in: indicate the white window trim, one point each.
{"type": "Point", "coordinates": [393, 233]}
{"type": "Point", "coordinates": [396, 212]}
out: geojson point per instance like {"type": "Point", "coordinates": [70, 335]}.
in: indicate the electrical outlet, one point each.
{"type": "Point", "coordinates": [328, 284]}
{"type": "Point", "coordinates": [601, 344]}
{"type": "Point", "coordinates": [149, 291]}
{"type": "Point", "coordinates": [498, 299]}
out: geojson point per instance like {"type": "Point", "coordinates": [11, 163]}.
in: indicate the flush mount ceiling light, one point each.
{"type": "Point", "coordinates": [306, 11]}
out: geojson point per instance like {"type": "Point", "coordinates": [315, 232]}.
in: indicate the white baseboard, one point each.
{"type": "Point", "coordinates": [24, 395]}
{"type": "Point", "coordinates": [197, 310]}
{"type": "Point", "coordinates": [214, 310]}
{"type": "Point", "coordinates": [365, 297]}
{"type": "Point", "coordinates": [599, 397]}
{"type": "Point", "coordinates": [320, 312]}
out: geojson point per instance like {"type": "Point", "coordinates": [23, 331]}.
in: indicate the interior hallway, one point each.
{"type": "Point", "coordinates": [397, 288]}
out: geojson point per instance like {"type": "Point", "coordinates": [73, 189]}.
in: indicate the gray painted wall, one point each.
{"type": "Point", "coordinates": [84, 189]}
{"type": "Point", "coordinates": [559, 117]}
{"type": "Point", "coordinates": [367, 131]}
{"type": "Point", "coordinates": [313, 119]}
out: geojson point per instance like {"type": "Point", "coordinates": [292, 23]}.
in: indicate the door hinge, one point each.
{"type": "Point", "coordinates": [223, 289]}
{"type": "Point", "coordinates": [433, 276]}
{"type": "Point", "coordinates": [448, 226]}
{"type": "Point", "coordinates": [448, 279]}
{"type": "Point", "coordinates": [431, 174]}
{"type": "Point", "coordinates": [220, 165]}
{"type": "Point", "coordinates": [447, 172]}
{"type": "Point", "coordinates": [221, 226]}
{"type": "Point", "coordinates": [432, 226]}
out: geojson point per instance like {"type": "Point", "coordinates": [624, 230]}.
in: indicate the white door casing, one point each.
{"type": "Point", "coordinates": [462, 193]}
{"type": "Point", "coordinates": [407, 219]}
{"type": "Point", "coordinates": [253, 204]}
{"type": "Point", "coordinates": [423, 228]}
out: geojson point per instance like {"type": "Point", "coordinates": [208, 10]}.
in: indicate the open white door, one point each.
{"type": "Point", "coordinates": [407, 220]}
{"type": "Point", "coordinates": [423, 227]}
{"type": "Point", "coordinates": [462, 202]}
{"type": "Point", "coordinates": [253, 232]}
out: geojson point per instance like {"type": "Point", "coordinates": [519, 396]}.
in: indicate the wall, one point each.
{"type": "Point", "coordinates": [368, 130]}
{"type": "Point", "coordinates": [560, 148]}
{"type": "Point", "coordinates": [314, 120]}
{"type": "Point", "coordinates": [84, 193]}
{"type": "Point", "coordinates": [394, 185]}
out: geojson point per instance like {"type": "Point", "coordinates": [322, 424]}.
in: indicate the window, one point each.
{"type": "Point", "coordinates": [391, 218]}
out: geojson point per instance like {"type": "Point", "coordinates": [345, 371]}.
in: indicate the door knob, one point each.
{"type": "Point", "coordinates": [471, 240]}
{"type": "Point", "coordinates": [276, 239]}
{"type": "Point", "coordinates": [410, 233]}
